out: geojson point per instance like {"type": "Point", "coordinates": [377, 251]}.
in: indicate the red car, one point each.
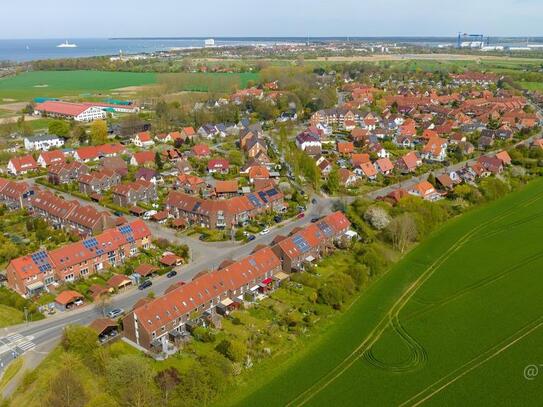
{"type": "Point", "coordinates": [300, 215]}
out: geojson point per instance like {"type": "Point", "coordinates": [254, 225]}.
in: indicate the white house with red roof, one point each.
{"type": "Point", "coordinates": [22, 165]}
{"type": "Point", "coordinates": [143, 140]}
{"type": "Point", "coordinates": [79, 112]}
{"type": "Point", "coordinates": [53, 157]}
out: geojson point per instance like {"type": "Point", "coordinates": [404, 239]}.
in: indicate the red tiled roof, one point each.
{"type": "Point", "coordinates": [182, 300]}
{"type": "Point", "coordinates": [66, 297]}
{"type": "Point", "coordinates": [64, 108]}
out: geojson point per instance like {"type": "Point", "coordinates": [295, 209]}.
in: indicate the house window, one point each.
{"type": "Point", "coordinates": [84, 272]}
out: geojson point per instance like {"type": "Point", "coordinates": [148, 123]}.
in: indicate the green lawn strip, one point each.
{"type": "Point", "coordinates": [10, 316]}
{"type": "Point", "coordinates": [284, 381]}
{"type": "Point", "coordinates": [10, 372]}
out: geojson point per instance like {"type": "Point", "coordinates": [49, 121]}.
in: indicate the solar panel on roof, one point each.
{"type": "Point", "coordinates": [99, 252]}
{"type": "Point", "coordinates": [327, 230]}
{"type": "Point", "coordinates": [90, 243]}
{"type": "Point", "coordinates": [263, 196]}
{"type": "Point", "coordinates": [254, 200]}
{"type": "Point", "coordinates": [301, 243]}
{"type": "Point", "coordinates": [125, 229]}
{"type": "Point", "coordinates": [272, 192]}
{"type": "Point", "coordinates": [196, 207]}
{"type": "Point", "coordinates": [252, 262]}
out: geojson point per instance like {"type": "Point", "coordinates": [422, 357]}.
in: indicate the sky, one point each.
{"type": "Point", "coordinates": [256, 18]}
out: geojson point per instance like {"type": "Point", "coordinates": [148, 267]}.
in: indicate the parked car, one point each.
{"type": "Point", "coordinates": [115, 313]}
{"type": "Point", "coordinates": [118, 213]}
{"type": "Point", "coordinates": [313, 201]}
{"type": "Point", "coordinates": [264, 231]}
{"type": "Point", "coordinates": [78, 302]}
{"type": "Point", "coordinates": [171, 274]}
{"type": "Point", "coordinates": [145, 284]}
{"type": "Point", "coordinates": [314, 220]}
{"type": "Point", "coordinates": [300, 215]}
{"type": "Point", "coordinates": [277, 218]}
{"type": "Point", "coordinates": [250, 238]}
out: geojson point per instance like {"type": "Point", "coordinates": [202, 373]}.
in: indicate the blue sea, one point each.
{"type": "Point", "coordinates": [21, 50]}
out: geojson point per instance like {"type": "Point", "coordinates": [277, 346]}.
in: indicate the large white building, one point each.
{"type": "Point", "coordinates": [80, 112]}
{"type": "Point", "coordinates": [43, 142]}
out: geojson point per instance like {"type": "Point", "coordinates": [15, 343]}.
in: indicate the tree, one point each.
{"type": "Point", "coordinates": [79, 134]}
{"type": "Point", "coordinates": [377, 217]}
{"type": "Point", "coordinates": [129, 377]}
{"type": "Point", "coordinates": [333, 182]}
{"type": "Point", "coordinates": [59, 128]}
{"type": "Point", "coordinates": [80, 340]}
{"type": "Point", "coordinates": [158, 161]}
{"type": "Point", "coordinates": [65, 387]}
{"type": "Point", "coordinates": [402, 231]}
{"type": "Point", "coordinates": [98, 132]}
{"type": "Point", "coordinates": [167, 380]}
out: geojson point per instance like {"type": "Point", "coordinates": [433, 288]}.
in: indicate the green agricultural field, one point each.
{"type": "Point", "coordinates": [28, 85]}
{"type": "Point", "coordinates": [455, 322]}
{"type": "Point", "coordinates": [533, 86]}
{"type": "Point", "coordinates": [207, 82]}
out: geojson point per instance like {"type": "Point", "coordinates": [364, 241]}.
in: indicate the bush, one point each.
{"type": "Point", "coordinates": [336, 290]}
{"type": "Point", "coordinates": [233, 350]}
{"type": "Point", "coordinates": [203, 334]}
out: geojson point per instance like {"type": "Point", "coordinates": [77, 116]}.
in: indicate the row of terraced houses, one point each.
{"type": "Point", "coordinates": [154, 323]}
{"type": "Point", "coordinates": [83, 220]}
{"type": "Point", "coordinates": [32, 274]}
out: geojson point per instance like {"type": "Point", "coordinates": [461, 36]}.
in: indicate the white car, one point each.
{"type": "Point", "coordinates": [264, 231]}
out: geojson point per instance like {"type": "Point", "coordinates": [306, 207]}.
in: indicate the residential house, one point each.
{"type": "Point", "coordinates": [384, 166]}
{"type": "Point", "coordinates": [65, 173]}
{"type": "Point", "coordinates": [43, 142]}
{"type": "Point", "coordinates": [22, 165]}
{"type": "Point", "coordinates": [424, 190]}
{"type": "Point", "coordinates": [191, 184]}
{"type": "Point", "coordinates": [48, 158]}
{"type": "Point", "coordinates": [96, 182]}
{"type": "Point", "coordinates": [31, 274]}
{"type": "Point", "coordinates": [149, 175]}
{"type": "Point", "coordinates": [312, 242]}
{"type": "Point", "coordinates": [409, 162]}
{"type": "Point", "coordinates": [218, 165]}
{"type": "Point", "coordinates": [115, 164]}
{"type": "Point", "coordinates": [435, 150]}
{"type": "Point", "coordinates": [201, 151]}
{"type": "Point", "coordinates": [15, 195]}
{"type": "Point", "coordinates": [347, 178]}
{"type": "Point", "coordinates": [155, 323]}
{"type": "Point", "coordinates": [131, 193]}
{"type": "Point", "coordinates": [143, 158]}
{"type": "Point", "coordinates": [143, 140]}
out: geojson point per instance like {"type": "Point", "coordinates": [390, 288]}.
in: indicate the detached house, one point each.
{"type": "Point", "coordinates": [143, 140]}
{"type": "Point", "coordinates": [435, 150]}
{"type": "Point", "coordinates": [424, 190]}
{"type": "Point", "coordinates": [22, 165]}
{"type": "Point", "coordinates": [143, 158]}
{"type": "Point", "coordinates": [218, 165]}
{"type": "Point", "coordinates": [409, 162]}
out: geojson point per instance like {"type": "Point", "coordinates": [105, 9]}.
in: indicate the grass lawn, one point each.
{"type": "Point", "coordinates": [10, 372]}
{"type": "Point", "coordinates": [460, 313]}
{"type": "Point", "coordinates": [10, 316]}
{"type": "Point", "coordinates": [28, 85]}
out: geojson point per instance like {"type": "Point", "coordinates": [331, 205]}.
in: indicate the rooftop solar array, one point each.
{"type": "Point", "coordinates": [263, 196]}
{"type": "Point", "coordinates": [39, 257]}
{"type": "Point", "coordinates": [301, 243]}
{"type": "Point", "coordinates": [272, 192]}
{"type": "Point", "coordinates": [90, 243]}
{"type": "Point", "coordinates": [254, 200]}
{"type": "Point", "coordinates": [126, 229]}
{"type": "Point", "coordinates": [196, 207]}
{"type": "Point", "coordinates": [327, 230]}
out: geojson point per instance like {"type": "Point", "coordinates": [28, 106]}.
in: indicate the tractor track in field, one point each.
{"type": "Point", "coordinates": [418, 354]}
{"type": "Point", "coordinates": [376, 333]}
{"type": "Point", "coordinates": [439, 385]}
